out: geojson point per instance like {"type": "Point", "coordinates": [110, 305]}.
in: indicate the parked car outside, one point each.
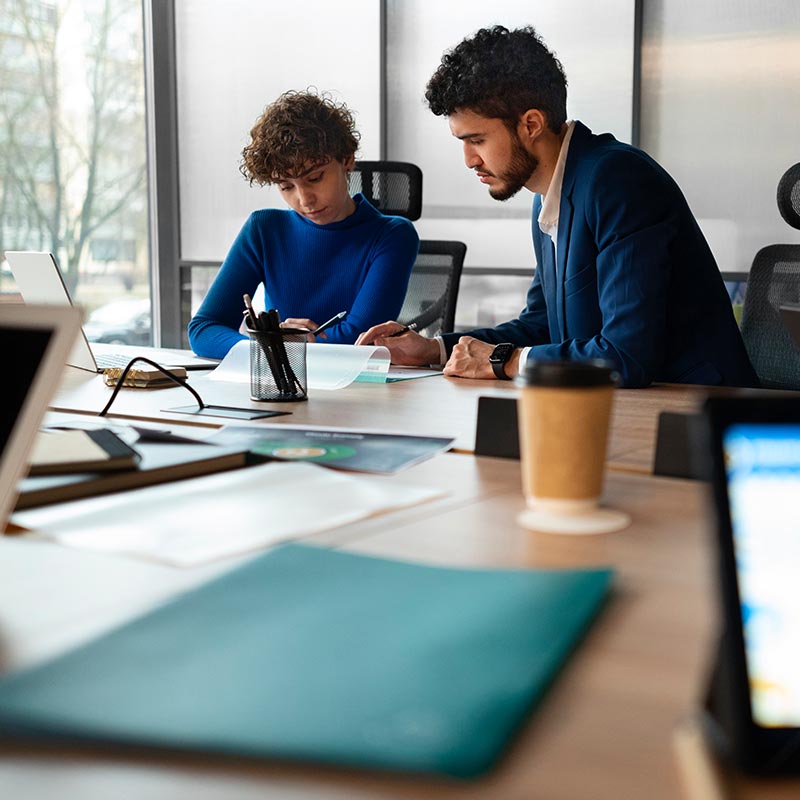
{"type": "Point", "coordinates": [120, 322]}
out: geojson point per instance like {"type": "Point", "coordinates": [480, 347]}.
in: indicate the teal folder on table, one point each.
{"type": "Point", "coordinates": [315, 654]}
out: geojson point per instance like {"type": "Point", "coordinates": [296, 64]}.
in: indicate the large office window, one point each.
{"type": "Point", "coordinates": [73, 166]}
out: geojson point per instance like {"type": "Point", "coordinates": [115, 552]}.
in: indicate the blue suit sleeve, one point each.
{"type": "Point", "coordinates": [529, 328]}
{"type": "Point", "coordinates": [631, 212]}
{"type": "Point", "coordinates": [214, 329]}
{"type": "Point", "coordinates": [383, 290]}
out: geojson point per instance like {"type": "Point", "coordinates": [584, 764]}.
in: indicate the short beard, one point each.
{"type": "Point", "coordinates": [519, 171]}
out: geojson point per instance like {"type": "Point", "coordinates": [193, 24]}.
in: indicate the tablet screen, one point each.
{"type": "Point", "coordinates": [762, 463]}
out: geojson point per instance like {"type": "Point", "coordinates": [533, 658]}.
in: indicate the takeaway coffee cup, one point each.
{"type": "Point", "coordinates": [564, 413]}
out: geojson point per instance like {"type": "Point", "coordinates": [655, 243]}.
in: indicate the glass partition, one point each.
{"type": "Point", "coordinates": [593, 41]}
{"type": "Point", "coordinates": [235, 57]}
{"type": "Point", "coordinates": [721, 111]}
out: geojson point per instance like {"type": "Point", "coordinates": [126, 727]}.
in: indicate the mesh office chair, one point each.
{"type": "Point", "coordinates": [393, 187]}
{"type": "Point", "coordinates": [775, 280]}
{"type": "Point", "coordinates": [433, 287]}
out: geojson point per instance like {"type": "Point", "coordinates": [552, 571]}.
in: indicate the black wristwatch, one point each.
{"type": "Point", "coordinates": [498, 359]}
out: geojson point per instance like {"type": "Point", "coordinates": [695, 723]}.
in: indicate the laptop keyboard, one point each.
{"type": "Point", "coordinates": [108, 360]}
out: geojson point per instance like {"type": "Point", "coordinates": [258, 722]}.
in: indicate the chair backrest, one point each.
{"type": "Point", "coordinates": [775, 280]}
{"type": "Point", "coordinates": [433, 287]}
{"type": "Point", "coordinates": [789, 196]}
{"type": "Point", "coordinates": [393, 187]}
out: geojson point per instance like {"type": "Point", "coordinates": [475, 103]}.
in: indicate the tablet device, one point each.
{"type": "Point", "coordinates": [35, 342]}
{"type": "Point", "coordinates": [755, 447]}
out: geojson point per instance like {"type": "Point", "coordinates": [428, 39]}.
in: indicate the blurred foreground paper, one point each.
{"type": "Point", "coordinates": [194, 521]}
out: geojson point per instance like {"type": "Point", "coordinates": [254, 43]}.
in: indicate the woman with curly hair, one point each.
{"type": "Point", "coordinates": [329, 252]}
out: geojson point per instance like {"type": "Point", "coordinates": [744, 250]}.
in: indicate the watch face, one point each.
{"type": "Point", "coordinates": [501, 353]}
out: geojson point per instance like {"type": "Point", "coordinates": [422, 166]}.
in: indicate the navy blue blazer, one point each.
{"type": "Point", "coordinates": [634, 282]}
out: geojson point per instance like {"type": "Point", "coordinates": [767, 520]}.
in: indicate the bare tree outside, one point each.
{"type": "Point", "coordinates": [72, 139]}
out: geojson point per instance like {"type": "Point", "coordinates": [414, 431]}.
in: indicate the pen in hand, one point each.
{"type": "Point", "coordinates": [412, 326]}
{"type": "Point", "coordinates": [332, 321]}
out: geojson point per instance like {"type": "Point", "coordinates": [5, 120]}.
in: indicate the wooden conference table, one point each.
{"type": "Point", "coordinates": [426, 406]}
{"type": "Point", "coordinates": [605, 728]}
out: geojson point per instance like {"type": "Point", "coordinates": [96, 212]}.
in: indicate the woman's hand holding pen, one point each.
{"type": "Point", "coordinates": [406, 347]}
{"type": "Point", "coordinates": [305, 324]}
{"type": "Point", "coordinates": [313, 329]}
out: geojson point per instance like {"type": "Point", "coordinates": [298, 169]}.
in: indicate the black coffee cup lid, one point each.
{"type": "Point", "coordinates": [591, 372]}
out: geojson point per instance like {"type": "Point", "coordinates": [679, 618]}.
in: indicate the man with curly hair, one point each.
{"type": "Point", "coordinates": [329, 252]}
{"type": "Point", "coordinates": [623, 272]}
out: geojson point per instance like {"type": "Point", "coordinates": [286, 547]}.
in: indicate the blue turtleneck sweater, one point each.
{"type": "Point", "coordinates": [360, 265]}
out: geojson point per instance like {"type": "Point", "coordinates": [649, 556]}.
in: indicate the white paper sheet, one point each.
{"type": "Point", "coordinates": [195, 521]}
{"type": "Point", "coordinates": [334, 366]}
{"type": "Point", "coordinates": [328, 366]}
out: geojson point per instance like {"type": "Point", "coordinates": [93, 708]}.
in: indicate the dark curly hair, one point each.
{"type": "Point", "coordinates": [300, 130]}
{"type": "Point", "coordinates": [500, 74]}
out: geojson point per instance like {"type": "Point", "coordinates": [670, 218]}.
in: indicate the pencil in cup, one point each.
{"type": "Point", "coordinates": [287, 376]}
{"type": "Point", "coordinates": [278, 365]}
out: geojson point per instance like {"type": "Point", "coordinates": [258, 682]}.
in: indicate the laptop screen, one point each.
{"type": "Point", "coordinates": [35, 342]}
{"type": "Point", "coordinates": [23, 351]}
{"type": "Point", "coordinates": [762, 465]}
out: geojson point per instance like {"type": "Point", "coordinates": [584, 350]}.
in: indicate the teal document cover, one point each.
{"type": "Point", "coordinates": [315, 654]}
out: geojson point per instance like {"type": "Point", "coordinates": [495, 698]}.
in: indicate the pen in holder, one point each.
{"type": "Point", "coordinates": [278, 365]}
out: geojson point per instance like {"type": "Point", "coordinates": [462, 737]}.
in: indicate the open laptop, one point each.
{"type": "Point", "coordinates": [40, 281]}
{"type": "Point", "coordinates": [35, 342]}
{"type": "Point", "coordinates": [755, 693]}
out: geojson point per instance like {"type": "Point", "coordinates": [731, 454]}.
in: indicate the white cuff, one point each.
{"type": "Point", "coordinates": [523, 360]}
{"type": "Point", "coordinates": [442, 353]}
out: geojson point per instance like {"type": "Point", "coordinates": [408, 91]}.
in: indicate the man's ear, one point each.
{"type": "Point", "coordinates": [532, 123]}
{"type": "Point", "coordinates": [349, 163]}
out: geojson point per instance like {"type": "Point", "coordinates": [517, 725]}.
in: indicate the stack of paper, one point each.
{"type": "Point", "coordinates": [358, 451]}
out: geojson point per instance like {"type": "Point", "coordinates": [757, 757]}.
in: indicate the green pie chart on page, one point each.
{"type": "Point", "coordinates": [304, 451]}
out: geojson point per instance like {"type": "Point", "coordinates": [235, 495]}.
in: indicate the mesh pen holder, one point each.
{"type": "Point", "coordinates": [278, 365]}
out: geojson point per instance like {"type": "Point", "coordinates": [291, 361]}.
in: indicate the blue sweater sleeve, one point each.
{"type": "Point", "coordinates": [384, 288]}
{"type": "Point", "coordinates": [214, 329]}
{"type": "Point", "coordinates": [361, 266]}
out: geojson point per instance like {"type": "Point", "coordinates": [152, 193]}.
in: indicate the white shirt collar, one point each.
{"type": "Point", "coordinates": [548, 216]}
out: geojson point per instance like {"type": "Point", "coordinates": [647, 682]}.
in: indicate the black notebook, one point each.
{"type": "Point", "coordinates": [160, 462]}
{"type": "Point", "coordinates": [60, 450]}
